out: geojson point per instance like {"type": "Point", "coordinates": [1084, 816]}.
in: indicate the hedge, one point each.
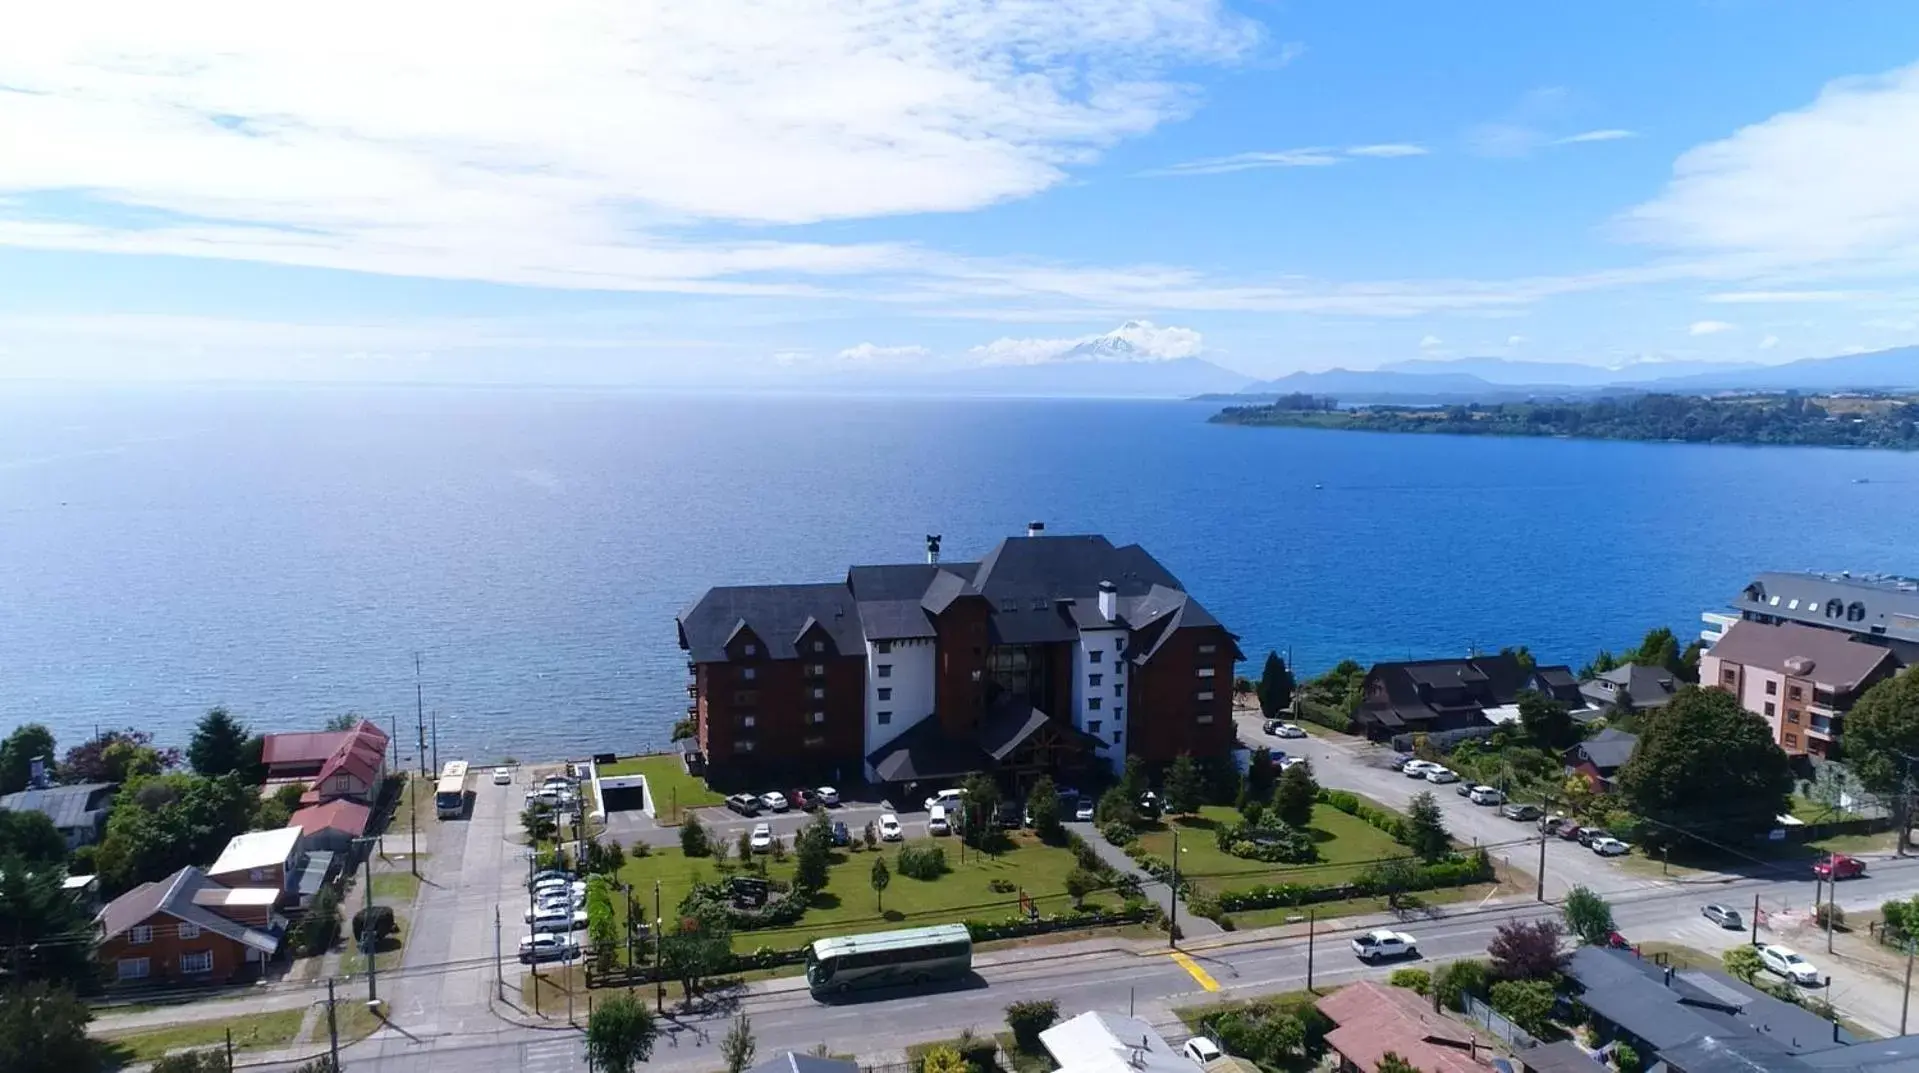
{"type": "Point", "coordinates": [783, 913]}
{"type": "Point", "coordinates": [1275, 844]}
{"type": "Point", "coordinates": [922, 862]}
{"type": "Point", "coordinates": [1390, 822]}
{"type": "Point", "coordinates": [1453, 872]}
{"type": "Point", "coordinates": [1331, 718]}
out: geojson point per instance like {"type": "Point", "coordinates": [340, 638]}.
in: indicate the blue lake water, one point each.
{"type": "Point", "coordinates": [287, 551]}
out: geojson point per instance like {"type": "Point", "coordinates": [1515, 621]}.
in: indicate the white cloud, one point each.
{"type": "Point", "coordinates": [1317, 156]}
{"type": "Point", "coordinates": [866, 353]}
{"type": "Point", "coordinates": [1769, 342]}
{"type": "Point", "coordinates": [1387, 150]}
{"type": "Point", "coordinates": [1430, 342]}
{"type": "Point", "coordinates": [1784, 297]}
{"type": "Point", "coordinates": [1133, 341]}
{"type": "Point", "coordinates": [1709, 327]}
{"type": "Point", "coordinates": [576, 149]}
{"type": "Point", "coordinates": [1834, 182]}
{"type": "Point", "coordinates": [1288, 52]}
{"type": "Point", "coordinates": [1515, 340]}
{"type": "Point", "coordinates": [1611, 134]}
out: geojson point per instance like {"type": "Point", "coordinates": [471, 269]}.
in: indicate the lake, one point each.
{"type": "Point", "coordinates": [287, 551]}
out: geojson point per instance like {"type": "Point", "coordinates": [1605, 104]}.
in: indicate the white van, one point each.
{"type": "Point", "coordinates": [936, 823]}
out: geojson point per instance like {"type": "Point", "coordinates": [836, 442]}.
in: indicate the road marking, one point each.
{"type": "Point", "coordinates": [1192, 967]}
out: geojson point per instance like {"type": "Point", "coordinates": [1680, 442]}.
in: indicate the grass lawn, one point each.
{"type": "Point", "coordinates": [1682, 957]}
{"type": "Point", "coordinates": [253, 1031]}
{"type": "Point", "coordinates": [1023, 1061]}
{"type": "Point", "coordinates": [674, 791]}
{"type": "Point", "coordinates": [1347, 846]}
{"type": "Point", "coordinates": [355, 1022]}
{"type": "Point", "coordinates": [387, 957]}
{"type": "Point", "coordinates": [1194, 1017]}
{"type": "Point", "coordinates": [395, 888]}
{"type": "Point", "coordinates": [847, 905]}
{"type": "Point", "coordinates": [1350, 907]}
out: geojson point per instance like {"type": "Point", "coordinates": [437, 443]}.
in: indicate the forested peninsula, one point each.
{"type": "Point", "coordinates": [1782, 420]}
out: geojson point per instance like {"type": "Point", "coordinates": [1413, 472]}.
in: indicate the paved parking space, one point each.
{"type": "Point", "coordinates": [633, 826]}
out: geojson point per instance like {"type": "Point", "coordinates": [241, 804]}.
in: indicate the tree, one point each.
{"type": "Point", "coordinates": [1391, 1062]}
{"type": "Point", "coordinates": [344, 721]}
{"type": "Point", "coordinates": [744, 846]}
{"type": "Point", "coordinates": [43, 1027]}
{"type": "Point", "coordinates": [1254, 813]}
{"type": "Point", "coordinates": [1262, 775]}
{"type": "Point", "coordinates": [374, 923]}
{"type": "Point", "coordinates": [1881, 730]}
{"type": "Point", "coordinates": [1526, 1003]}
{"type": "Point", "coordinates": [1296, 796]}
{"type": "Point", "coordinates": [161, 822]}
{"type": "Point", "coordinates": [31, 837]}
{"type": "Point", "coordinates": [1625, 1059]}
{"type": "Point", "coordinates": [1704, 765]}
{"type": "Point", "coordinates": [1742, 963]}
{"type": "Point", "coordinates": [319, 926]}
{"type": "Point", "coordinates": [879, 877]}
{"type": "Point", "coordinates": [1426, 832]}
{"type": "Point", "coordinates": [541, 821]}
{"type": "Point", "coordinates": [738, 1047]}
{"type": "Point", "coordinates": [693, 839]}
{"type": "Point", "coordinates": [1523, 656]}
{"type": "Point", "coordinates": [1042, 803]}
{"type": "Point", "coordinates": [1393, 877]}
{"type": "Point", "coordinates": [1588, 916]}
{"type": "Point", "coordinates": [872, 835]}
{"type": "Point", "coordinates": [981, 803]}
{"type": "Point", "coordinates": [219, 744]}
{"type": "Point", "coordinates": [1689, 661]}
{"type": "Point", "coordinates": [1079, 883]}
{"type": "Point", "coordinates": [1546, 721]}
{"type": "Point", "coordinates": [1461, 978]}
{"type": "Point", "coordinates": [701, 946]}
{"type": "Point", "coordinates": [1183, 786]}
{"type": "Point", "coordinates": [1029, 1019]}
{"type": "Point", "coordinates": [27, 743]}
{"type": "Point", "coordinates": [1601, 663]}
{"type": "Point", "coordinates": [1659, 649]}
{"type": "Point", "coordinates": [117, 756]}
{"type": "Point", "coordinates": [57, 932]}
{"type": "Point", "coordinates": [1275, 686]}
{"type": "Point", "coordinates": [1116, 806]}
{"type": "Point", "coordinates": [1132, 779]}
{"type": "Point", "coordinates": [203, 1061]}
{"type": "Point", "coordinates": [813, 855]}
{"type": "Point", "coordinates": [620, 1033]}
{"type": "Point", "coordinates": [944, 1060]}
{"type": "Point", "coordinates": [1527, 950]}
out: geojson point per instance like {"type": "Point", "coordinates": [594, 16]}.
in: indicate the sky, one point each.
{"type": "Point", "coordinates": [737, 193]}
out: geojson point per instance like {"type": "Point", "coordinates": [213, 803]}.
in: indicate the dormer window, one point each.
{"type": "Point", "coordinates": [750, 649]}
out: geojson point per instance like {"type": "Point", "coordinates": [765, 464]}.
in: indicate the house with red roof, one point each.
{"type": "Point", "coordinates": [1375, 1020]}
{"type": "Point", "coordinates": [333, 764]}
{"type": "Point", "coordinates": [332, 826]}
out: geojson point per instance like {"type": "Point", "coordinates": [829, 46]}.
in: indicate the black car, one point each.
{"type": "Point", "coordinates": [841, 836]}
{"type": "Point", "coordinates": [1009, 814]}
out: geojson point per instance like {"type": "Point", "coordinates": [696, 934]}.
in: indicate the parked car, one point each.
{"type": "Point", "coordinates": [1521, 812]}
{"type": "Point", "coordinates": [802, 799]}
{"type": "Point", "coordinates": [548, 946]}
{"type": "Point", "coordinates": [551, 873]}
{"type": "Point", "coordinates": [1383, 943]}
{"type": "Point", "coordinates": [1148, 805]}
{"type": "Point", "coordinates": [560, 885]}
{"type": "Point", "coordinates": [1839, 866]}
{"type": "Point", "coordinates": [936, 822]}
{"type": "Point", "coordinates": [951, 798]}
{"type": "Point", "coordinates": [1486, 795]}
{"type": "Point", "coordinates": [1009, 815]}
{"type": "Point", "coordinates": [1417, 769]}
{"type": "Point", "coordinates": [561, 906]}
{"type": "Point", "coordinates": [829, 796]}
{"type": "Point", "coordinates": [890, 830]}
{"type": "Point", "coordinates": [1724, 916]}
{"type": "Point", "coordinates": [558, 920]}
{"type": "Point", "coordinates": [744, 804]}
{"type": "Point", "coordinates": [1464, 789]}
{"type": "Point", "coordinates": [502, 776]}
{"type": "Point", "coordinates": [1608, 846]}
{"type": "Point", "coordinates": [774, 801]}
{"type": "Point", "coordinates": [841, 836]}
{"type": "Point", "coordinates": [1785, 962]}
{"type": "Point", "coordinates": [1400, 760]}
{"type": "Point", "coordinates": [1084, 813]}
{"type": "Point", "coordinates": [1288, 730]}
{"type": "Point", "coordinates": [1441, 776]}
{"type": "Point", "coordinates": [1287, 763]}
{"type": "Point", "coordinates": [1553, 824]}
{"type": "Point", "coordinates": [1202, 1050]}
{"type": "Point", "coordinates": [761, 840]}
{"type": "Point", "coordinates": [1586, 835]}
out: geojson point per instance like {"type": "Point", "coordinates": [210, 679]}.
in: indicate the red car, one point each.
{"type": "Point", "coordinates": [1839, 867]}
{"type": "Point", "coordinates": [803, 799]}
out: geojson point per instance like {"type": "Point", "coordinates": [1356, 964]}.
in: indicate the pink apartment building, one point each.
{"type": "Point", "coordinates": [1800, 679]}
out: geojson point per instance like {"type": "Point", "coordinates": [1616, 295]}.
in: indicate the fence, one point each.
{"type": "Point", "coordinates": [1495, 1022]}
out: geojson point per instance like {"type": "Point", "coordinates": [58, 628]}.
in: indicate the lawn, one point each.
{"type": "Point", "coordinates": [1347, 846]}
{"type": "Point", "coordinates": [253, 1031]}
{"type": "Point", "coordinates": [387, 957]}
{"type": "Point", "coordinates": [847, 905]}
{"type": "Point", "coordinates": [1351, 907]}
{"type": "Point", "coordinates": [395, 888]}
{"type": "Point", "coordinates": [674, 791]}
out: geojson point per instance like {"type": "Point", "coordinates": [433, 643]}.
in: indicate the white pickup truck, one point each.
{"type": "Point", "coordinates": [1375, 945]}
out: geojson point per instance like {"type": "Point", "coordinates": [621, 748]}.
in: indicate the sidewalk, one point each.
{"type": "Point", "coordinates": [1190, 925]}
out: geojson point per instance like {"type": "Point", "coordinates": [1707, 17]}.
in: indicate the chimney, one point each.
{"type": "Point", "coordinates": [1034, 529]}
{"type": "Point", "coordinates": [1669, 976]}
{"type": "Point", "coordinates": [1108, 601]}
{"type": "Point", "coordinates": [932, 549]}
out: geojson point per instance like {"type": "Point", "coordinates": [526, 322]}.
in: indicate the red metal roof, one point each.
{"type": "Point", "coordinates": [1374, 1019]}
{"type": "Point", "coordinates": [360, 755]}
{"type": "Point", "coordinates": [342, 815]}
{"type": "Point", "coordinates": [308, 747]}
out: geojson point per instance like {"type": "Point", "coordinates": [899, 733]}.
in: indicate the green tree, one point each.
{"type": "Point", "coordinates": [1600, 664]}
{"type": "Point", "coordinates": [219, 744]}
{"type": "Point", "coordinates": [202, 1061]}
{"type": "Point", "coordinates": [1461, 978]}
{"type": "Point", "coordinates": [1254, 813]}
{"type": "Point", "coordinates": [31, 837]}
{"type": "Point", "coordinates": [343, 721]}
{"type": "Point", "coordinates": [1625, 1059]}
{"type": "Point", "coordinates": [944, 1059]}
{"type": "Point", "coordinates": [1659, 649]}
{"type": "Point", "coordinates": [981, 803]}
{"type": "Point", "coordinates": [700, 947]}
{"type": "Point", "coordinates": [1882, 728]}
{"type": "Point", "coordinates": [738, 1047]}
{"type": "Point", "coordinates": [693, 838]}
{"type": "Point", "coordinates": [1294, 799]}
{"type": "Point", "coordinates": [319, 926]}
{"type": "Point", "coordinates": [541, 821]}
{"type": "Point", "coordinates": [620, 1033]}
{"type": "Point", "coordinates": [1523, 655]}
{"type": "Point", "coordinates": [1042, 802]}
{"type": "Point", "coordinates": [1183, 786]}
{"type": "Point", "coordinates": [1707, 766]}
{"type": "Point", "coordinates": [58, 932]}
{"type": "Point", "coordinates": [1588, 916]}
{"type": "Point", "coordinates": [1689, 661]}
{"type": "Point", "coordinates": [1132, 779]}
{"type": "Point", "coordinates": [813, 855]}
{"type": "Point", "coordinates": [1527, 950]}
{"type": "Point", "coordinates": [1080, 882]}
{"type": "Point", "coordinates": [1029, 1019]}
{"type": "Point", "coordinates": [1426, 833]}
{"type": "Point", "coordinates": [1526, 1003]}
{"type": "Point", "coordinates": [43, 1028]}
{"type": "Point", "coordinates": [117, 756]}
{"type": "Point", "coordinates": [1546, 721]}
{"type": "Point", "coordinates": [1262, 775]}
{"type": "Point", "coordinates": [1742, 963]}
{"type": "Point", "coordinates": [1340, 687]}
{"type": "Point", "coordinates": [1391, 1062]}
{"type": "Point", "coordinates": [27, 743]}
{"type": "Point", "coordinates": [879, 877]}
{"type": "Point", "coordinates": [1394, 877]}
{"type": "Point", "coordinates": [744, 847]}
{"type": "Point", "coordinates": [161, 822]}
{"type": "Point", "coordinates": [1275, 686]}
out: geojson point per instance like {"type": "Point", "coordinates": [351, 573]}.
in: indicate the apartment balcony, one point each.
{"type": "Point", "coordinates": [692, 667]}
{"type": "Point", "coordinates": [692, 709]}
{"type": "Point", "coordinates": [1823, 707]}
{"type": "Point", "coordinates": [1824, 727]}
{"type": "Point", "coordinates": [692, 689]}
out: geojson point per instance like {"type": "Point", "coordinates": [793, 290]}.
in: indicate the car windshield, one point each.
{"type": "Point", "coordinates": [1792, 959]}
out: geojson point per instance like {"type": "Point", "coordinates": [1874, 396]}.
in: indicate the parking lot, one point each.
{"type": "Point", "coordinates": [854, 810]}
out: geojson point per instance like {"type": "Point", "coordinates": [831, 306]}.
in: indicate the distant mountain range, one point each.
{"type": "Point", "coordinates": [1501, 379]}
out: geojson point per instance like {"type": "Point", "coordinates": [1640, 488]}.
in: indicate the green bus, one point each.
{"type": "Point", "coordinates": [889, 958]}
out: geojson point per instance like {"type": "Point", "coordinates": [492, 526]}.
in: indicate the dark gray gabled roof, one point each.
{"type": "Point", "coordinates": [793, 1062]}
{"type": "Point", "coordinates": [1607, 750]}
{"type": "Point", "coordinates": [774, 613]}
{"type": "Point", "coordinates": [82, 804]}
{"type": "Point", "coordinates": [1562, 1057]}
{"type": "Point", "coordinates": [1827, 657]}
{"type": "Point", "coordinates": [895, 620]}
{"type": "Point", "coordinates": [1885, 605]}
{"type": "Point", "coordinates": [1669, 1012]}
{"type": "Point", "coordinates": [925, 752]}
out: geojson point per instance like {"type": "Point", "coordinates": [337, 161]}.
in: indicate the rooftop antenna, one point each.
{"type": "Point", "coordinates": [932, 549]}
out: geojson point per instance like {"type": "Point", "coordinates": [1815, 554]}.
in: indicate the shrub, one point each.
{"type": "Point", "coordinates": [1742, 963]}
{"type": "Point", "coordinates": [1625, 1059]}
{"type": "Point", "coordinates": [1083, 853]}
{"type": "Point", "coordinates": [943, 1060]}
{"type": "Point", "coordinates": [1119, 832]}
{"type": "Point", "coordinates": [1274, 844]}
{"type": "Point", "coordinates": [1390, 822]}
{"type": "Point", "coordinates": [1461, 978]}
{"type": "Point", "coordinates": [1002, 886]}
{"type": "Point", "coordinates": [377, 919]}
{"type": "Point", "coordinates": [1029, 1019]}
{"type": "Point", "coordinates": [693, 839]}
{"type": "Point", "coordinates": [922, 862]}
{"type": "Point", "coordinates": [1527, 1003]}
{"type": "Point", "coordinates": [1837, 912]}
{"type": "Point", "coordinates": [1080, 883]}
{"type": "Point", "coordinates": [1417, 980]}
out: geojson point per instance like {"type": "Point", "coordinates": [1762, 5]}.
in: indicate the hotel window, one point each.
{"type": "Point", "coordinates": [744, 745]}
{"type": "Point", "coordinates": [197, 962]}
{"type": "Point", "coordinates": [1792, 739]}
{"type": "Point", "coordinates": [1728, 676]}
{"type": "Point", "coordinates": [1118, 714]}
{"type": "Point", "coordinates": [133, 968]}
{"type": "Point", "coordinates": [1795, 693]}
{"type": "Point", "coordinates": [1205, 717]}
{"type": "Point", "coordinates": [1772, 689]}
{"type": "Point", "coordinates": [140, 936]}
{"type": "Point", "coordinates": [886, 670]}
{"type": "Point", "coordinates": [1206, 672]}
{"type": "Point", "coordinates": [818, 693]}
{"type": "Point", "coordinates": [885, 718]}
{"type": "Point", "coordinates": [1207, 650]}
{"type": "Point", "coordinates": [1119, 644]}
{"type": "Point", "coordinates": [1119, 689]}
{"type": "Point", "coordinates": [818, 718]}
{"type": "Point", "coordinates": [1093, 680]}
{"type": "Point", "coordinates": [747, 674]}
{"type": "Point", "coordinates": [1771, 710]}
{"type": "Point", "coordinates": [746, 696]}
{"type": "Point", "coordinates": [886, 692]}
{"type": "Point", "coordinates": [976, 676]}
{"type": "Point", "coordinates": [751, 649]}
{"type": "Point", "coordinates": [1093, 725]}
{"type": "Point", "coordinates": [819, 646]}
{"type": "Point", "coordinates": [813, 742]}
{"type": "Point", "coordinates": [1792, 715]}
{"type": "Point", "coordinates": [189, 931]}
{"type": "Point", "coordinates": [747, 721]}
{"type": "Point", "coordinates": [1117, 734]}
{"type": "Point", "coordinates": [1095, 656]}
{"type": "Point", "coordinates": [1204, 694]}
{"type": "Point", "coordinates": [883, 647]}
{"type": "Point", "coordinates": [1092, 704]}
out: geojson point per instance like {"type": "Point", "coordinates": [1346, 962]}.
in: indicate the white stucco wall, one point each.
{"type": "Point", "coordinates": [1111, 668]}
{"type": "Point", "coordinates": [911, 683]}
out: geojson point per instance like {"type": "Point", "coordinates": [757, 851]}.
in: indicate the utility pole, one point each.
{"type": "Point", "coordinates": [413, 822]}
{"type": "Point", "coordinates": [372, 937]}
{"type": "Point", "coordinates": [229, 1050]}
{"type": "Point", "coordinates": [499, 970]}
{"type": "Point", "coordinates": [1755, 923]}
{"type": "Point", "coordinates": [332, 1027]}
{"type": "Point", "coordinates": [659, 958]}
{"type": "Point", "coordinates": [436, 739]}
{"type": "Point", "coordinates": [1312, 919]}
{"type": "Point", "coordinates": [419, 712]}
{"type": "Point", "coordinates": [1172, 896]}
{"type": "Point", "coordinates": [1906, 1002]}
{"type": "Point", "coordinates": [1540, 892]}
